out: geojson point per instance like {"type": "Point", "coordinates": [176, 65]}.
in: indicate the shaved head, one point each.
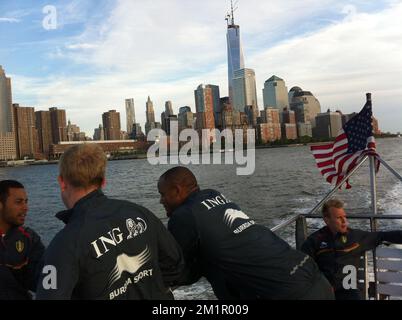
{"type": "Point", "coordinates": [174, 186]}
{"type": "Point", "coordinates": [180, 176]}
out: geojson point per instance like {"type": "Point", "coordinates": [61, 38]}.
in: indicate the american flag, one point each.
{"type": "Point", "coordinates": [354, 141]}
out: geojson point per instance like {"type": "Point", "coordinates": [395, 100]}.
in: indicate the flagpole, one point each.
{"type": "Point", "coordinates": [373, 222]}
{"type": "Point", "coordinates": [373, 180]}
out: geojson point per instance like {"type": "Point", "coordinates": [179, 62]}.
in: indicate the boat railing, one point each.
{"type": "Point", "coordinates": [300, 223]}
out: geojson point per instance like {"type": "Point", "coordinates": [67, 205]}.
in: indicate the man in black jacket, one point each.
{"type": "Point", "coordinates": [109, 249]}
{"type": "Point", "coordinates": [336, 246]}
{"type": "Point", "coordinates": [21, 249]}
{"type": "Point", "coordinates": [241, 260]}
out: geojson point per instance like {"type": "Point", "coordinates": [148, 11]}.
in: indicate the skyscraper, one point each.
{"type": "Point", "coordinates": [305, 105]}
{"type": "Point", "coordinates": [275, 94]}
{"type": "Point", "coordinates": [245, 92]}
{"type": "Point", "coordinates": [328, 125]}
{"type": "Point", "coordinates": [185, 118]}
{"type": "Point", "coordinates": [6, 111]}
{"type": "Point", "coordinates": [111, 125]}
{"type": "Point", "coordinates": [204, 105]}
{"type": "Point", "coordinates": [130, 115]}
{"type": "Point", "coordinates": [26, 132]}
{"type": "Point", "coordinates": [168, 109]}
{"type": "Point", "coordinates": [167, 117]}
{"type": "Point", "coordinates": [7, 132]}
{"type": "Point", "coordinates": [150, 111]}
{"type": "Point", "coordinates": [44, 126]}
{"type": "Point", "coordinates": [59, 125]}
{"type": "Point", "coordinates": [235, 51]}
{"type": "Point", "coordinates": [99, 133]}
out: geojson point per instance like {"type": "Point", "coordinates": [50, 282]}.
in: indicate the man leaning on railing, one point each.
{"type": "Point", "coordinates": [336, 246]}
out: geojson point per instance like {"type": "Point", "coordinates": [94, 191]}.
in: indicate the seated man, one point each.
{"type": "Point", "coordinates": [109, 249]}
{"type": "Point", "coordinates": [21, 249]}
{"type": "Point", "coordinates": [241, 260]}
{"type": "Point", "coordinates": [335, 246]}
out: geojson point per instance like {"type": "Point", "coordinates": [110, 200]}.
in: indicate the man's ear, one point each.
{"type": "Point", "coordinates": [326, 220]}
{"type": "Point", "coordinates": [61, 182]}
{"type": "Point", "coordinates": [103, 184]}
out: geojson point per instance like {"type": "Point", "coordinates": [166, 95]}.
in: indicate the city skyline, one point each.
{"type": "Point", "coordinates": [344, 49]}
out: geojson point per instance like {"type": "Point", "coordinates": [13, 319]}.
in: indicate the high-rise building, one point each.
{"type": "Point", "coordinates": [235, 51]}
{"type": "Point", "coordinates": [167, 117]}
{"type": "Point", "coordinates": [150, 111]}
{"type": "Point", "coordinates": [168, 109]}
{"type": "Point", "coordinates": [204, 105]}
{"type": "Point", "coordinates": [376, 128]}
{"type": "Point", "coordinates": [99, 134]}
{"type": "Point", "coordinates": [150, 114]}
{"type": "Point", "coordinates": [130, 115]}
{"type": "Point", "coordinates": [270, 127]}
{"type": "Point", "coordinates": [185, 118]}
{"type": "Point", "coordinates": [7, 133]}
{"type": "Point", "coordinates": [245, 92]}
{"type": "Point", "coordinates": [74, 133]}
{"type": "Point", "coordinates": [137, 133]}
{"type": "Point", "coordinates": [26, 133]}
{"type": "Point", "coordinates": [59, 125]}
{"type": "Point", "coordinates": [305, 105]}
{"type": "Point", "coordinates": [327, 125]}
{"type": "Point", "coordinates": [213, 91]}
{"type": "Point", "coordinates": [275, 94]}
{"type": "Point", "coordinates": [288, 124]}
{"type": "Point", "coordinates": [44, 126]}
{"type": "Point", "coordinates": [111, 125]}
{"type": "Point", "coordinates": [304, 129]}
{"type": "Point", "coordinates": [6, 111]}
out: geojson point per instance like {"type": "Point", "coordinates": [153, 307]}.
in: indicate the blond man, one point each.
{"type": "Point", "coordinates": [108, 249]}
{"type": "Point", "coordinates": [337, 246]}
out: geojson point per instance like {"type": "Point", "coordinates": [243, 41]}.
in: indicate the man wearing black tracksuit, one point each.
{"type": "Point", "coordinates": [21, 249]}
{"type": "Point", "coordinates": [109, 249]}
{"type": "Point", "coordinates": [336, 246]}
{"type": "Point", "coordinates": [241, 260]}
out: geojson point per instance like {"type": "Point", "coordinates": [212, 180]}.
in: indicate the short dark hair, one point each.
{"type": "Point", "coordinates": [333, 203]}
{"type": "Point", "coordinates": [6, 185]}
{"type": "Point", "coordinates": [180, 176]}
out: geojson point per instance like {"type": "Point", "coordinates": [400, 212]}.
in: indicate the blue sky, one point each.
{"type": "Point", "coordinates": [105, 51]}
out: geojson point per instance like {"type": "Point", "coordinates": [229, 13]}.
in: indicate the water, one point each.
{"type": "Point", "coordinates": [285, 182]}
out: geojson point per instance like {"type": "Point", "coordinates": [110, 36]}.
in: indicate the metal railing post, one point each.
{"type": "Point", "coordinates": [301, 231]}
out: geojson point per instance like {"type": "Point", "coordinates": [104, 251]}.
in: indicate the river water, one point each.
{"type": "Point", "coordinates": [285, 182]}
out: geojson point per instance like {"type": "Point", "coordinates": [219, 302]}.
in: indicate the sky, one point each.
{"type": "Point", "coordinates": [97, 53]}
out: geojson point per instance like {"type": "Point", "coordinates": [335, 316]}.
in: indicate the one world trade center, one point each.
{"type": "Point", "coordinates": [235, 51]}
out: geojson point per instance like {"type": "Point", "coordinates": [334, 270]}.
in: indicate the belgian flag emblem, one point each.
{"type": "Point", "coordinates": [19, 245]}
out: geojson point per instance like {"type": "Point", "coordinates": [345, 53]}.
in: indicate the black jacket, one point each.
{"type": "Point", "coordinates": [111, 249]}
{"type": "Point", "coordinates": [21, 251]}
{"type": "Point", "coordinates": [238, 257]}
{"type": "Point", "coordinates": [333, 252]}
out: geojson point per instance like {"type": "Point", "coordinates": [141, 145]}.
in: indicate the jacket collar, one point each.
{"type": "Point", "coordinates": [67, 215]}
{"type": "Point", "coordinates": [334, 236]}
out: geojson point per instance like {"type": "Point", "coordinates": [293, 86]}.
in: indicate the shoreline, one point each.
{"type": "Point", "coordinates": [142, 156]}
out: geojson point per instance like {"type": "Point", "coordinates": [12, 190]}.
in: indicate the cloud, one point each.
{"type": "Point", "coordinates": [166, 48]}
{"type": "Point", "coordinates": [11, 20]}
{"type": "Point", "coordinates": [342, 62]}
{"type": "Point", "coordinates": [79, 46]}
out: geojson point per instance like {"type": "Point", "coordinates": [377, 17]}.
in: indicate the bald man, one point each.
{"type": "Point", "coordinates": [241, 260]}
